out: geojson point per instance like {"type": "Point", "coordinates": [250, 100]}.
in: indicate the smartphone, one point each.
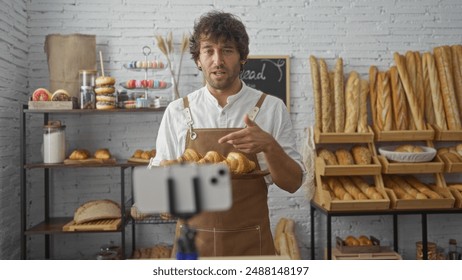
{"type": "Point", "coordinates": [183, 189]}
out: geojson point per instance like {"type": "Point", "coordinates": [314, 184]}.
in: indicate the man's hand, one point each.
{"type": "Point", "coordinates": [251, 139]}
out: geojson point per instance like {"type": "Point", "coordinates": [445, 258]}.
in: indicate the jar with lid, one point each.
{"type": "Point", "coordinates": [54, 142]}
{"type": "Point", "coordinates": [87, 83]}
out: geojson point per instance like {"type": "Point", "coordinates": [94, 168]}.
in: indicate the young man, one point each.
{"type": "Point", "coordinates": [220, 122]}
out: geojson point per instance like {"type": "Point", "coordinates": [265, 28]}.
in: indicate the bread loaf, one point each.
{"type": "Point", "coordinates": [416, 111]}
{"type": "Point", "coordinates": [363, 93]}
{"type": "Point", "coordinates": [364, 241]}
{"type": "Point", "coordinates": [456, 50]}
{"type": "Point", "coordinates": [444, 67]}
{"type": "Point", "coordinates": [373, 72]}
{"type": "Point", "coordinates": [351, 241]}
{"type": "Point", "coordinates": [79, 154]}
{"type": "Point", "coordinates": [411, 68]}
{"type": "Point", "coordinates": [400, 112]}
{"type": "Point", "coordinates": [339, 96]}
{"type": "Point", "coordinates": [370, 192]}
{"type": "Point", "coordinates": [384, 109]}
{"type": "Point", "coordinates": [419, 90]}
{"type": "Point", "coordinates": [327, 107]}
{"type": "Point", "coordinates": [102, 154]}
{"type": "Point", "coordinates": [315, 79]}
{"type": "Point", "coordinates": [338, 189]}
{"type": "Point", "coordinates": [344, 157]}
{"type": "Point", "coordinates": [429, 110]}
{"type": "Point", "coordinates": [97, 210]}
{"type": "Point", "coordinates": [437, 101]}
{"type": "Point", "coordinates": [422, 187]}
{"type": "Point", "coordinates": [408, 188]}
{"type": "Point", "coordinates": [351, 188]}
{"type": "Point", "coordinates": [399, 192]}
{"type": "Point", "coordinates": [352, 102]}
{"type": "Point", "coordinates": [361, 154]}
{"type": "Point", "coordinates": [279, 233]}
{"type": "Point", "coordinates": [328, 156]}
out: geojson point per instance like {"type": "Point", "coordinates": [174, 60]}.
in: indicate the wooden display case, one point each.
{"type": "Point", "coordinates": [404, 135]}
{"type": "Point", "coordinates": [337, 137]}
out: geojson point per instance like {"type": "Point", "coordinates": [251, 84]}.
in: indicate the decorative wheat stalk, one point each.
{"type": "Point", "coordinates": [166, 47]}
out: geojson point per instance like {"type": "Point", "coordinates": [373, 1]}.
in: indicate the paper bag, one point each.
{"type": "Point", "coordinates": [67, 55]}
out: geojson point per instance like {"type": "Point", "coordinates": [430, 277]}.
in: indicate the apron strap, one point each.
{"type": "Point", "coordinates": [188, 116]}
{"type": "Point", "coordinates": [254, 112]}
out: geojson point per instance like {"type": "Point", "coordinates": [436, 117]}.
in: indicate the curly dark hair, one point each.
{"type": "Point", "coordinates": [217, 25]}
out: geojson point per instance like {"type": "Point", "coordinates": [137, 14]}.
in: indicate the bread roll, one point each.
{"type": "Point", "coordinates": [384, 109]}
{"type": "Point", "coordinates": [351, 241]}
{"type": "Point", "coordinates": [97, 210]}
{"type": "Point", "coordinates": [410, 95]}
{"type": "Point", "coordinates": [339, 96]}
{"type": "Point", "coordinates": [344, 157]}
{"type": "Point", "coordinates": [437, 100]}
{"type": "Point", "coordinates": [351, 188]}
{"type": "Point", "coordinates": [429, 111]}
{"type": "Point", "coordinates": [364, 241]}
{"type": "Point", "coordinates": [79, 154]}
{"type": "Point", "coordinates": [315, 80]}
{"type": "Point", "coordinates": [444, 67]}
{"type": "Point", "coordinates": [400, 112]}
{"type": "Point", "coordinates": [352, 102]}
{"type": "Point", "coordinates": [102, 154]}
{"type": "Point", "coordinates": [361, 154]}
{"type": "Point", "coordinates": [407, 148]}
{"type": "Point", "coordinates": [363, 93]}
{"type": "Point", "coordinates": [456, 50]}
{"type": "Point", "coordinates": [326, 97]}
{"type": "Point", "coordinates": [328, 156]}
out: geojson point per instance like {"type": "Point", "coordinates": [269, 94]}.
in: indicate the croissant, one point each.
{"type": "Point", "coordinates": [212, 157]}
{"type": "Point", "coordinates": [190, 155]}
{"type": "Point", "coordinates": [238, 163]}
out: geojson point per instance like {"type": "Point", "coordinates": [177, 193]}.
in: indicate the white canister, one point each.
{"type": "Point", "coordinates": [54, 142]}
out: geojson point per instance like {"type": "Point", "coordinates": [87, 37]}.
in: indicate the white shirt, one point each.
{"type": "Point", "coordinates": [207, 113]}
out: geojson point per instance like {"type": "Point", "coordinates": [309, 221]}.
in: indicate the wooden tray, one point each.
{"type": "Point", "coordinates": [139, 160]}
{"type": "Point", "coordinates": [343, 248]}
{"type": "Point", "coordinates": [252, 175]}
{"type": "Point", "coordinates": [451, 166]}
{"type": "Point", "coordinates": [457, 196]}
{"type": "Point", "coordinates": [348, 170]}
{"type": "Point", "coordinates": [404, 135]}
{"type": "Point", "coordinates": [337, 137]}
{"type": "Point", "coordinates": [446, 135]}
{"type": "Point", "coordinates": [435, 166]}
{"type": "Point", "coordinates": [90, 161]}
{"type": "Point", "coordinates": [100, 225]}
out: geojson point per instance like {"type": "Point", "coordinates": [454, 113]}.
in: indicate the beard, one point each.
{"type": "Point", "coordinates": [222, 78]}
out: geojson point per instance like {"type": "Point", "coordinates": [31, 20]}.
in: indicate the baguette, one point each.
{"type": "Point", "coordinates": [370, 192]}
{"type": "Point", "coordinates": [294, 250]}
{"type": "Point", "coordinates": [279, 233]}
{"type": "Point", "coordinates": [373, 91]}
{"type": "Point", "coordinates": [363, 93]}
{"type": "Point", "coordinates": [339, 96]}
{"type": "Point", "coordinates": [315, 79]}
{"type": "Point", "coordinates": [437, 100]}
{"type": "Point", "coordinates": [411, 70]}
{"type": "Point", "coordinates": [327, 113]}
{"type": "Point", "coordinates": [419, 90]}
{"type": "Point", "coordinates": [410, 96]}
{"type": "Point", "coordinates": [352, 102]}
{"type": "Point", "coordinates": [443, 64]}
{"type": "Point", "coordinates": [331, 193]}
{"type": "Point", "coordinates": [422, 187]}
{"type": "Point", "coordinates": [408, 188]}
{"type": "Point", "coordinates": [384, 110]}
{"type": "Point", "coordinates": [337, 187]}
{"type": "Point", "coordinates": [456, 50]}
{"type": "Point", "coordinates": [429, 111]}
{"type": "Point", "coordinates": [399, 192]}
{"type": "Point", "coordinates": [399, 101]}
{"type": "Point", "coordinates": [352, 189]}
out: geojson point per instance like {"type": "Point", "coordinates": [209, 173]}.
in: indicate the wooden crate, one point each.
{"type": "Point", "coordinates": [451, 166]}
{"type": "Point", "coordinates": [435, 166]}
{"type": "Point", "coordinates": [404, 135]}
{"type": "Point", "coordinates": [53, 105]}
{"type": "Point", "coordinates": [323, 198]}
{"type": "Point", "coordinates": [385, 254]}
{"type": "Point", "coordinates": [446, 135]}
{"type": "Point", "coordinates": [446, 202]}
{"type": "Point", "coordinates": [337, 137]}
{"type": "Point", "coordinates": [457, 196]}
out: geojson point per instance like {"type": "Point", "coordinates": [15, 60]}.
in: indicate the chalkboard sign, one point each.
{"type": "Point", "coordinates": [269, 74]}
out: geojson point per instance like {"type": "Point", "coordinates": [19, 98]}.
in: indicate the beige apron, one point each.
{"type": "Point", "coordinates": [245, 228]}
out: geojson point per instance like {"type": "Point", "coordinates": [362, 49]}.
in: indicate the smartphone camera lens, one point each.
{"type": "Point", "coordinates": [214, 180]}
{"type": "Point", "coordinates": [221, 172]}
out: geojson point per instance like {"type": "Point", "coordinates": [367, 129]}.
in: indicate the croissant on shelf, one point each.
{"type": "Point", "coordinates": [237, 162]}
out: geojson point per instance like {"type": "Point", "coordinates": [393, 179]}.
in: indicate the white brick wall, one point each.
{"type": "Point", "coordinates": [362, 32]}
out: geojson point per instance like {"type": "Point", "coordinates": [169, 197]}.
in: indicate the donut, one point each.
{"type": "Point", "coordinates": [104, 81]}
{"type": "Point", "coordinates": [61, 95]}
{"type": "Point", "coordinates": [41, 94]}
{"type": "Point", "coordinates": [104, 106]}
{"type": "Point", "coordinates": [105, 98]}
{"type": "Point", "coordinates": [104, 90]}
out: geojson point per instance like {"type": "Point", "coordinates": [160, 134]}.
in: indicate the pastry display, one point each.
{"type": "Point", "coordinates": [142, 155]}
{"type": "Point", "coordinates": [358, 154]}
{"type": "Point", "coordinates": [351, 188]}
{"type": "Point", "coordinates": [153, 84]}
{"type": "Point", "coordinates": [143, 64]}
{"type": "Point", "coordinates": [97, 210]}
{"type": "Point", "coordinates": [104, 90]}
{"type": "Point", "coordinates": [409, 187]}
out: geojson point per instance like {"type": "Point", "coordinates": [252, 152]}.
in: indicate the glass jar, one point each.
{"type": "Point", "coordinates": [54, 142]}
{"type": "Point", "coordinates": [87, 94]}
